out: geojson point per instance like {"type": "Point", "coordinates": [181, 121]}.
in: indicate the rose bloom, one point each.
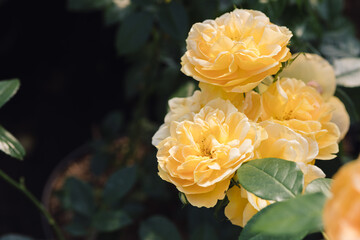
{"type": "Point", "coordinates": [285, 143]}
{"type": "Point", "coordinates": [300, 107]}
{"type": "Point", "coordinates": [341, 214]}
{"type": "Point", "coordinates": [201, 154]}
{"type": "Point", "coordinates": [243, 205]}
{"type": "Point", "coordinates": [181, 109]}
{"type": "Point", "coordinates": [236, 50]}
{"type": "Point", "coordinates": [316, 72]}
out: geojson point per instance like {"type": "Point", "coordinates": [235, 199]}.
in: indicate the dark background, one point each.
{"type": "Point", "coordinates": [71, 78]}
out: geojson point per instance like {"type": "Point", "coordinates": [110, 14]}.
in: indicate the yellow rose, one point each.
{"type": "Point", "coordinates": [313, 70]}
{"type": "Point", "coordinates": [290, 98]}
{"type": "Point", "coordinates": [184, 108]}
{"type": "Point", "coordinates": [201, 155]}
{"type": "Point", "coordinates": [283, 142]}
{"type": "Point", "coordinates": [243, 205]}
{"type": "Point", "coordinates": [341, 214]}
{"type": "Point", "coordinates": [250, 105]}
{"type": "Point", "coordinates": [236, 50]}
{"type": "Point", "coordinates": [292, 103]}
{"type": "Point", "coordinates": [316, 72]}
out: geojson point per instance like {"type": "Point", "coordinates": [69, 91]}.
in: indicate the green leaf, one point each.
{"type": "Point", "coordinates": [87, 5]}
{"type": "Point", "coordinates": [8, 88]}
{"type": "Point", "coordinates": [349, 105]}
{"type": "Point", "coordinates": [204, 232]}
{"type": "Point", "coordinates": [15, 237]}
{"type": "Point", "coordinates": [158, 228]}
{"type": "Point", "coordinates": [10, 145]}
{"type": "Point", "coordinates": [185, 90]}
{"type": "Point", "coordinates": [302, 214]}
{"type": "Point", "coordinates": [248, 234]}
{"type": "Point", "coordinates": [134, 32]}
{"type": "Point", "coordinates": [108, 221]}
{"type": "Point", "coordinates": [78, 226]}
{"type": "Point", "coordinates": [112, 124]}
{"type": "Point", "coordinates": [113, 14]}
{"type": "Point", "coordinates": [319, 185]}
{"type": "Point", "coordinates": [174, 20]}
{"type": "Point", "coordinates": [80, 195]}
{"type": "Point", "coordinates": [271, 178]}
{"type": "Point", "coordinates": [347, 72]}
{"type": "Point", "coordinates": [119, 184]}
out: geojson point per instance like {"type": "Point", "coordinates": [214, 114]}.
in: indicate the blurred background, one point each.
{"type": "Point", "coordinates": [84, 64]}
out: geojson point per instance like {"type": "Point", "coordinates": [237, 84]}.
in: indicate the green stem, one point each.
{"type": "Point", "coordinates": [22, 188]}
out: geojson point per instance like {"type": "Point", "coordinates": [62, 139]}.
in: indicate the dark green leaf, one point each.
{"type": "Point", "coordinates": [8, 88]}
{"type": "Point", "coordinates": [113, 14]}
{"type": "Point", "coordinates": [185, 90]}
{"type": "Point", "coordinates": [271, 178]}
{"type": "Point", "coordinates": [302, 214]}
{"type": "Point", "coordinates": [108, 221]}
{"type": "Point", "coordinates": [87, 5]}
{"type": "Point", "coordinates": [119, 184]}
{"type": "Point", "coordinates": [158, 228]}
{"type": "Point", "coordinates": [111, 125]}
{"type": "Point", "coordinates": [174, 20]}
{"type": "Point", "coordinates": [204, 232]}
{"type": "Point", "coordinates": [100, 161]}
{"type": "Point", "coordinates": [349, 105]}
{"type": "Point", "coordinates": [79, 225]}
{"type": "Point", "coordinates": [319, 185]}
{"type": "Point", "coordinates": [10, 145]}
{"type": "Point", "coordinates": [248, 234]}
{"type": "Point", "coordinates": [81, 196]}
{"type": "Point", "coordinates": [15, 237]}
{"type": "Point", "coordinates": [133, 32]}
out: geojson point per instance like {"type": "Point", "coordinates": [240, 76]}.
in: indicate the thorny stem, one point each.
{"type": "Point", "coordinates": [22, 188]}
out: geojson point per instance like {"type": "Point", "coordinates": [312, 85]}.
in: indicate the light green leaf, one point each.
{"type": "Point", "coordinates": [271, 178]}
{"type": "Point", "coordinates": [134, 32]}
{"type": "Point", "coordinates": [319, 185]}
{"type": "Point", "coordinates": [108, 221]}
{"type": "Point", "coordinates": [248, 234]}
{"type": "Point", "coordinates": [8, 88]}
{"type": "Point", "coordinates": [302, 214]}
{"type": "Point", "coordinates": [347, 72]}
{"type": "Point", "coordinates": [15, 237]}
{"type": "Point", "coordinates": [119, 184]}
{"type": "Point", "coordinates": [158, 228]}
{"type": "Point", "coordinates": [80, 195]}
{"type": "Point", "coordinates": [10, 145]}
{"type": "Point", "coordinates": [174, 20]}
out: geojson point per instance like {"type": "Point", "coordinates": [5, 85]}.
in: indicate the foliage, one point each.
{"type": "Point", "coordinates": [294, 217]}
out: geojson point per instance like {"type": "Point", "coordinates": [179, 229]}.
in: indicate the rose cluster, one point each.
{"type": "Point", "coordinates": [255, 101]}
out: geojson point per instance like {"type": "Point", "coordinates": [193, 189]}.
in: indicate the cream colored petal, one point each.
{"type": "Point", "coordinates": [309, 68]}
{"type": "Point", "coordinates": [340, 116]}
